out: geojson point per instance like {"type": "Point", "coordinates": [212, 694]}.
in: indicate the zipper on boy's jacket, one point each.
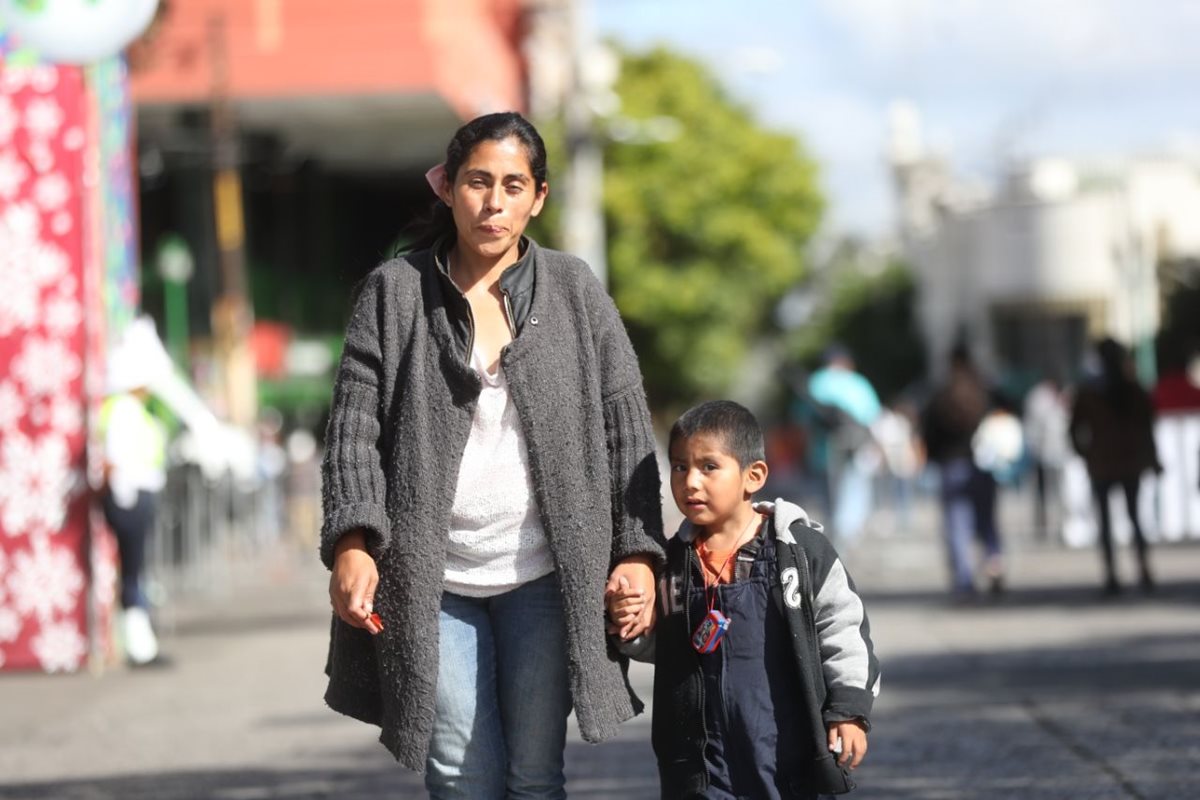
{"type": "Point", "coordinates": [689, 555]}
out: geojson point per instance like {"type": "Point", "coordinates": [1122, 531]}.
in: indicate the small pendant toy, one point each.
{"type": "Point", "coordinates": [710, 631]}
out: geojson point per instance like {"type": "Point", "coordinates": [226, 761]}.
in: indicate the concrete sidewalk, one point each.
{"type": "Point", "coordinates": [1045, 692]}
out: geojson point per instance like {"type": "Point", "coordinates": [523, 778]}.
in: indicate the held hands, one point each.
{"type": "Point", "coordinates": [853, 740]}
{"type": "Point", "coordinates": [353, 581]}
{"type": "Point", "coordinates": [629, 598]}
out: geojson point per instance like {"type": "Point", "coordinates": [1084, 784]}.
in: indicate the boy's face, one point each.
{"type": "Point", "coordinates": [707, 482]}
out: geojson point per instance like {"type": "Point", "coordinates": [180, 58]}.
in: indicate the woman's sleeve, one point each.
{"type": "Point", "coordinates": [352, 481]}
{"type": "Point", "coordinates": [633, 467]}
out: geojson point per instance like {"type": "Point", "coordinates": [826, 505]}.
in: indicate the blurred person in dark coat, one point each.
{"type": "Point", "coordinates": [1112, 428]}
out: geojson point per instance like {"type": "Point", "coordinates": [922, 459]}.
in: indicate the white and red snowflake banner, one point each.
{"type": "Point", "coordinates": [44, 542]}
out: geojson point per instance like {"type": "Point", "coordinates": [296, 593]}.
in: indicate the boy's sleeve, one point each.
{"type": "Point", "coordinates": [844, 636]}
{"type": "Point", "coordinates": [639, 649]}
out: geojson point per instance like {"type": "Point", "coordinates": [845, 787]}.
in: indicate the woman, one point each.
{"type": "Point", "coordinates": [489, 466]}
{"type": "Point", "coordinates": [1112, 427]}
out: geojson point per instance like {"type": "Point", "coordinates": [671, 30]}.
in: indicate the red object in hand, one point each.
{"type": "Point", "coordinates": [377, 620]}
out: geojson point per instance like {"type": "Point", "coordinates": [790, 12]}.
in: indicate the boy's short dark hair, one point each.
{"type": "Point", "coordinates": [732, 422]}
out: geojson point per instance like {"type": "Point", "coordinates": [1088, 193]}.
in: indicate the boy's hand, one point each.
{"type": "Point", "coordinates": [854, 742]}
{"type": "Point", "coordinates": [638, 577]}
{"type": "Point", "coordinates": [623, 603]}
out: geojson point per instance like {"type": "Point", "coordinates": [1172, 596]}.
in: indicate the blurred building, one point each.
{"type": "Point", "coordinates": [285, 144]}
{"type": "Point", "coordinates": [1061, 252]}
{"type": "Point", "coordinates": [333, 112]}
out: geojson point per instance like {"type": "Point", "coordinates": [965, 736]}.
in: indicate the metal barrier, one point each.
{"type": "Point", "coordinates": [206, 526]}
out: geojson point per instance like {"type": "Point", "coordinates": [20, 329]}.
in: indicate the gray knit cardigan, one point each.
{"type": "Point", "coordinates": [402, 408]}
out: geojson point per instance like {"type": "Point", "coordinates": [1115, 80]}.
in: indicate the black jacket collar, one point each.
{"type": "Point", "coordinates": [516, 284]}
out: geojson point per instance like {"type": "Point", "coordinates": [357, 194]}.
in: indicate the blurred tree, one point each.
{"type": "Point", "coordinates": [869, 309]}
{"type": "Point", "coordinates": [707, 215]}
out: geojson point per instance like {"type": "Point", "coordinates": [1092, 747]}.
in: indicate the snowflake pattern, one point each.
{"type": "Point", "coordinates": [51, 191]}
{"type": "Point", "coordinates": [74, 139]}
{"type": "Point", "coordinates": [36, 479]}
{"type": "Point", "coordinates": [27, 265]}
{"type": "Point", "coordinates": [43, 117]}
{"type": "Point", "coordinates": [43, 573]}
{"type": "Point", "coordinates": [61, 223]}
{"type": "Point", "coordinates": [46, 366]}
{"type": "Point", "coordinates": [12, 409]}
{"type": "Point", "coordinates": [42, 78]}
{"type": "Point", "coordinates": [10, 624]}
{"type": "Point", "coordinates": [66, 415]}
{"type": "Point", "coordinates": [45, 581]}
{"type": "Point", "coordinates": [62, 315]}
{"type": "Point", "coordinates": [8, 118]}
{"type": "Point", "coordinates": [59, 647]}
{"type": "Point", "coordinates": [13, 173]}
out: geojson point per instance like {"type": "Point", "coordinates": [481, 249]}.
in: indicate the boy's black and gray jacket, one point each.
{"type": "Point", "coordinates": [403, 402]}
{"type": "Point", "coordinates": [830, 641]}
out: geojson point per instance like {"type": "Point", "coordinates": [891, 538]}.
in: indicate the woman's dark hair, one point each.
{"type": "Point", "coordinates": [737, 428]}
{"type": "Point", "coordinates": [497, 127]}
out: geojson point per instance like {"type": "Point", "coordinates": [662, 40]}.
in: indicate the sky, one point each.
{"type": "Point", "coordinates": [993, 80]}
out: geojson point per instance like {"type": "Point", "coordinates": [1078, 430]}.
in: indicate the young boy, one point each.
{"type": "Point", "coordinates": [764, 669]}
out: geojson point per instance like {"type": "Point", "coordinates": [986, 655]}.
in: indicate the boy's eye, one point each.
{"type": "Point", "coordinates": [678, 468]}
{"type": "Point", "coordinates": [513, 189]}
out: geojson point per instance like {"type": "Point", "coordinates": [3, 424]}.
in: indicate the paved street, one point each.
{"type": "Point", "coordinates": [1047, 692]}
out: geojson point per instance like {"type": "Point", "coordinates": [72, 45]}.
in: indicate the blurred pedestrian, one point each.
{"type": "Point", "coordinates": [968, 491]}
{"type": "Point", "coordinates": [895, 431]}
{"type": "Point", "coordinates": [1178, 385]}
{"type": "Point", "coordinates": [1112, 427]}
{"type": "Point", "coordinates": [850, 453]}
{"type": "Point", "coordinates": [134, 475]}
{"type": "Point", "coordinates": [1046, 419]}
{"type": "Point", "coordinates": [489, 465]}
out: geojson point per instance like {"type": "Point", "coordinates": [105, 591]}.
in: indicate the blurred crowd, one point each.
{"type": "Point", "coordinates": [1077, 448]}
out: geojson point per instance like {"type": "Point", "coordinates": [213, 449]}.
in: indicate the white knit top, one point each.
{"type": "Point", "coordinates": [496, 538]}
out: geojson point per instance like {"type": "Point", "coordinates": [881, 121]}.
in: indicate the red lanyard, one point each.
{"type": "Point", "coordinates": [704, 568]}
{"type": "Point", "coordinates": [716, 581]}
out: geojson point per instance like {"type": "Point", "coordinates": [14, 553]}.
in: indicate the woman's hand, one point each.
{"type": "Point", "coordinates": [638, 582]}
{"type": "Point", "coordinates": [353, 581]}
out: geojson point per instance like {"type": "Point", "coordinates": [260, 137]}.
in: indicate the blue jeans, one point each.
{"type": "Point", "coordinates": [969, 512]}
{"type": "Point", "coordinates": [852, 504]}
{"type": "Point", "coordinates": [503, 696]}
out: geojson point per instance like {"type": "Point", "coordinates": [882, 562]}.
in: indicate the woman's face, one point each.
{"type": "Point", "coordinates": [493, 197]}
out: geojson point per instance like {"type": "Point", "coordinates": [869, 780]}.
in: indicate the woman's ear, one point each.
{"type": "Point", "coordinates": [436, 178]}
{"type": "Point", "coordinates": [756, 476]}
{"type": "Point", "coordinates": [446, 192]}
{"type": "Point", "coordinates": [540, 200]}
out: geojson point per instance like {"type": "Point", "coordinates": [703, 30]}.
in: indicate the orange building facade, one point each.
{"type": "Point", "coordinates": [353, 82]}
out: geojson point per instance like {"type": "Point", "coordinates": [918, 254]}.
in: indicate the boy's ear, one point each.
{"type": "Point", "coordinates": [756, 476]}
